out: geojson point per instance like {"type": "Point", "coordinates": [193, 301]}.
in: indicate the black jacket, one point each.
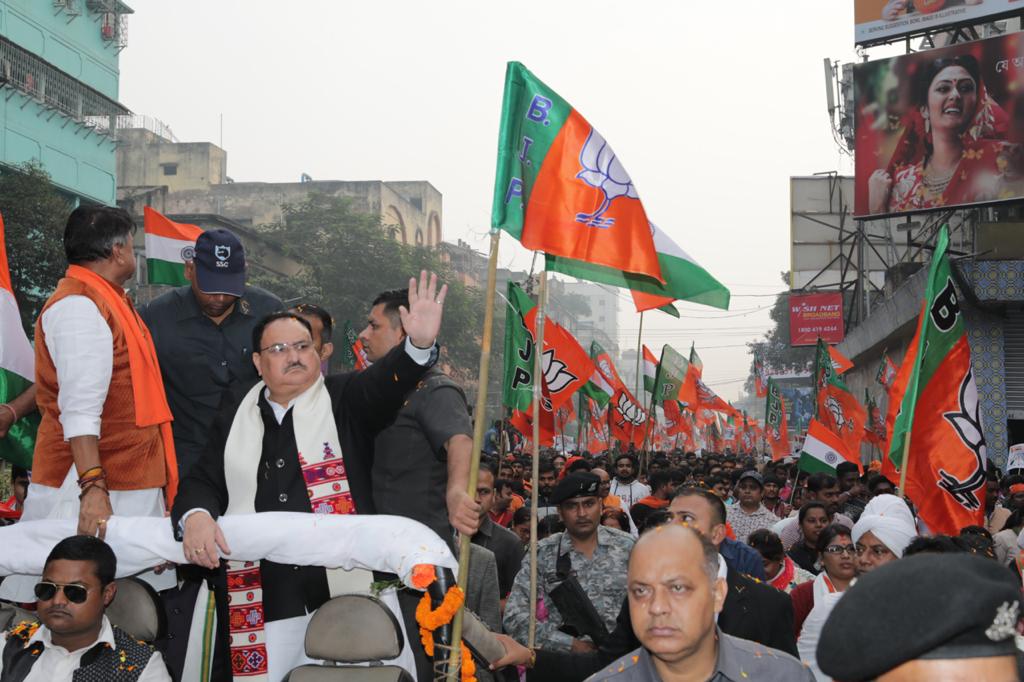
{"type": "Point", "coordinates": [753, 610]}
{"type": "Point", "coordinates": [363, 403]}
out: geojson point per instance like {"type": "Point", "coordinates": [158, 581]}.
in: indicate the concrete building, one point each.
{"type": "Point", "coordinates": [59, 80]}
{"type": "Point", "coordinates": [988, 267]}
{"type": "Point", "coordinates": [191, 178]}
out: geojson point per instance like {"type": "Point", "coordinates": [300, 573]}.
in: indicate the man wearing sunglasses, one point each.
{"type": "Point", "coordinates": [76, 641]}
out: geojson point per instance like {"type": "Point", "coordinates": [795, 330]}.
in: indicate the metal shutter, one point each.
{"type": "Point", "coordinates": [1013, 364]}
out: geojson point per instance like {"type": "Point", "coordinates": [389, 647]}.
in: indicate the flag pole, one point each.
{"type": "Point", "coordinates": [479, 422]}
{"type": "Point", "coordinates": [903, 463]}
{"type": "Point", "coordinates": [538, 379]}
{"type": "Point", "coordinates": [639, 351]}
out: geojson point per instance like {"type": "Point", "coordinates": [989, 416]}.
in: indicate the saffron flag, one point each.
{"type": "Point", "coordinates": [694, 370]}
{"type": "Point", "coordinates": [822, 450]}
{"type": "Point", "coordinates": [565, 365]}
{"type": "Point", "coordinates": [627, 418]}
{"type": "Point", "coordinates": [604, 363]}
{"type": "Point", "coordinates": [685, 278]}
{"type": "Point", "coordinates": [886, 372]}
{"type": "Point", "coordinates": [775, 427]}
{"type": "Point", "coordinates": [760, 383]}
{"type": "Point", "coordinates": [559, 187]}
{"type": "Point", "coordinates": [824, 370]}
{"type": "Point", "coordinates": [650, 367]}
{"type": "Point", "coordinates": [354, 354]}
{"type": "Point", "coordinates": [17, 368]}
{"type": "Point", "coordinates": [874, 428]}
{"type": "Point", "coordinates": [840, 363]}
{"type": "Point", "coordinates": [168, 246]}
{"type": "Point", "coordinates": [939, 412]}
{"type": "Point", "coordinates": [599, 388]}
{"type": "Point", "coordinates": [840, 413]}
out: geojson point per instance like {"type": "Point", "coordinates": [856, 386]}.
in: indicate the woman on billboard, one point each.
{"type": "Point", "coordinates": [956, 159]}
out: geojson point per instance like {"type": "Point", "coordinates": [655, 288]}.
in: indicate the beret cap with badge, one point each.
{"type": "Point", "coordinates": [927, 606]}
{"type": "Point", "coordinates": [576, 484]}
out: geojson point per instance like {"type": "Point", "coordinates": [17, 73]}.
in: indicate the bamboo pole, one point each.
{"type": "Point", "coordinates": [538, 373]}
{"type": "Point", "coordinates": [479, 422]}
{"type": "Point", "coordinates": [903, 464]}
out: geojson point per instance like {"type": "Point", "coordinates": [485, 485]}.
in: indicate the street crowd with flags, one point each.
{"type": "Point", "coordinates": [195, 446]}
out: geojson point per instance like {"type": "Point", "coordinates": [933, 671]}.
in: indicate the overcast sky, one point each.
{"type": "Point", "coordinates": [711, 107]}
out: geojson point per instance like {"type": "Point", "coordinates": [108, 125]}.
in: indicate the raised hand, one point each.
{"type": "Point", "coordinates": [422, 319]}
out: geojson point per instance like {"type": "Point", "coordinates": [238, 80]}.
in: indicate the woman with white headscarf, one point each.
{"type": "Point", "coordinates": [884, 530]}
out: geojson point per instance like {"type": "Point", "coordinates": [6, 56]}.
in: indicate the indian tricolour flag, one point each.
{"type": "Point", "coordinates": [168, 246]}
{"type": "Point", "coordinates": [650, 369]}
{"type": "Point", "coordinates": [685, 278]}
{"type": "Point", "coordinates": [17, 368]}
{"type": "Point", "coordinates": [822, 450]}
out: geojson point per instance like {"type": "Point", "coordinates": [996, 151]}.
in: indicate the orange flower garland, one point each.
{"type": "Point", "coordinates": [431, 619]}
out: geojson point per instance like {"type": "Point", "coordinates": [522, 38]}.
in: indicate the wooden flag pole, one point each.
{"type": "Point", "coordinates": [538, 373]}
{"type": "Point", "coordinates": [903, 463]}
{"type": "Point", "coordinates": [479, 422]}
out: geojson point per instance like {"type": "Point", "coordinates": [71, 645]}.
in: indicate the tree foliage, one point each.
{"type": "Point", "coordinates": [776, 353]}
{"type": "Point", "coordinates": [34, 215]}
{"type": "Point", "coordinates": [348, 258]}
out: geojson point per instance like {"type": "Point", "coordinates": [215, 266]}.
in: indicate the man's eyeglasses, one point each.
{"type": "Point", "coordinates": [841, 549]}
{"type": "Point", "coordinates": [278, 349]}
{"type": "Point", "coordinates": [76, 594]}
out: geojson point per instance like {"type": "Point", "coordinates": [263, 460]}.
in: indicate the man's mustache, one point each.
{"type": "Point", "coordinates": [293, 365]}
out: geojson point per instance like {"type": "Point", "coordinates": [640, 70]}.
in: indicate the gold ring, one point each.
{"type": "Point", "coordinates": [198, 550]}
{"type": "Point", "coordinates": [102, 522]}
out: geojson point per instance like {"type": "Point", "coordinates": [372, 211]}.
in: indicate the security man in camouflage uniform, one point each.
{"type": "Point", "coordinates": [594, 555]}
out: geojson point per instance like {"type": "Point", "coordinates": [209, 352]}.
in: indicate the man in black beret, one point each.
{"type": "Point", "coordinates": [926, 617]}
{"type": "Point", "coordinates": [593, 555]}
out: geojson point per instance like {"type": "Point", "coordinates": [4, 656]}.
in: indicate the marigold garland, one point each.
{"type": "Point", "coordinates": [431, 619]}
{"type": "Point", "coordinates": [423, 575]}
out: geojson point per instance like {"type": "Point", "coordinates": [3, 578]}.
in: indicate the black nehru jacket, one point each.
{"type": "Point", "coordinates": [752, 610]}
{"type": "Point", "coordinates": [363, 403]}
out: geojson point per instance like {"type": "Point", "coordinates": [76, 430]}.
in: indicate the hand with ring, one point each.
{"type": "Point", "coordinates": [203, 538]}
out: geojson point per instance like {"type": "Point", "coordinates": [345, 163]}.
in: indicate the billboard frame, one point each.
{"type": "Point", "coordinates": [962, 31]}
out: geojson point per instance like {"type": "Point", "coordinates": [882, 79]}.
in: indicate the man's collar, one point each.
{"type": "Point", "coordinates": [106, 636]}
{"type": "Point", "coordinates": [486, 525]}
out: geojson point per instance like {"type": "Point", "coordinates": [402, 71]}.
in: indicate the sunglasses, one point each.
{"type": "Point", "coordinates": [76, 594]}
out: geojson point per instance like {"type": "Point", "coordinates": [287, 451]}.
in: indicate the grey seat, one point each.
{"type": "Point", "coordinates": [137, 610]}
{"type": "Point", "coordinates": [352, 628]}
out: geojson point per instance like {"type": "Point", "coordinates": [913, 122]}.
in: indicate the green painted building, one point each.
{"type": "Point", "coordinates": [58, 90]}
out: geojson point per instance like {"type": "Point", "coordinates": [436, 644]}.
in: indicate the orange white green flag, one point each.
{"type": "Point", "coordinates": [685, 278]}
{"type": "Point", "coordinates": [168, 246]}
{"type": "Point", "coordinates": [650, 368]}
{"type": "Point", "coordinates": [17, 368]}
{"type": "Point", "coordinates": [939, 411]}
{"type": "Point", "coordinates": [559, 187]}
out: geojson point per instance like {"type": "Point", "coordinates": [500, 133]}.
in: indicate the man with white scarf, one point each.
{"type": "Point", "coordinates": [295, 441]}
{"type": "Point", "coordinates": [884, 530]}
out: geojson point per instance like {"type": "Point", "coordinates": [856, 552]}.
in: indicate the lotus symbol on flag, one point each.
{"type": "Point", "coordinates": [556, 376]}
{"type": "Point", "coordinates": [837, 414]}
{"type": "Point", "coordinates": [630, 410]}
{"type": "Point", "coordinates": [600, 169]}
{"type": "Point", "coordinates": [967, 423]}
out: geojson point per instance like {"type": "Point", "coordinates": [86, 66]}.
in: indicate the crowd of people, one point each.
{"type": "Point", "coordinates": [213, 401]}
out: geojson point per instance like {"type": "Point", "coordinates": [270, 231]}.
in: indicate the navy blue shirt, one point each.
{"type": "Point", "coordinates": [200, 359]}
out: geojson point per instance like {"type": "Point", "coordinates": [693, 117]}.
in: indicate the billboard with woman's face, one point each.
{"type": "Point", "coordinates": [941, 128]}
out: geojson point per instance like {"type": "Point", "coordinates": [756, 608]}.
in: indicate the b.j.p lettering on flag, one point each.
{"type": "Point", "coordinates": [559, 187]}
{"type": "Point", "coordinates": [939, 411]}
